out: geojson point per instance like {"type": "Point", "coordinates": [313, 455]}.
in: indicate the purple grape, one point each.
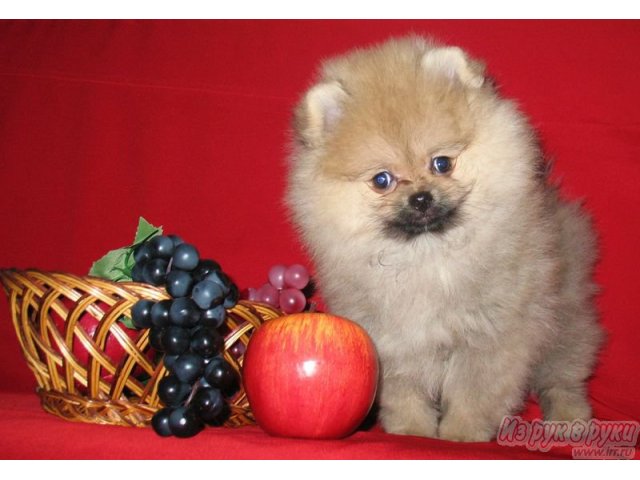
{"type": "Point", "coordinates": [238, 349]}
{"type": "Point", "coordinates": [276, 276]}
{"type": "Point", "coordinates": [269, 294]}
{"type": "Point", "coordinates": [252, 295]}
{"type": "Point", "coordinates": [292, 300]}
{"type": "Point", "coordinates": [296, 276]}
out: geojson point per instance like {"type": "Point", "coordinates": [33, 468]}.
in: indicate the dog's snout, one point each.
{"type": "Point", "coordinates": [421, 201]}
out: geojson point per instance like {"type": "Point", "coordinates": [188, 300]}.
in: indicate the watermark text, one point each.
{"type": "Point", "coordinates": [589, 439]}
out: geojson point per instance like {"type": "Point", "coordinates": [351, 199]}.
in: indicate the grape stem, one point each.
{"type": "Point", "coordinates": [194, 390]}
{"type": "Point", "coordinates": [169, 265]}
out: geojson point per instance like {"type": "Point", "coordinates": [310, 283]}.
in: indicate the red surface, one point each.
{"type": "Point", "coordinates": [186, 123]}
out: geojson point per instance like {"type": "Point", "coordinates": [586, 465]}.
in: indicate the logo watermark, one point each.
{"type": "Point", "coordinates": [592, 439]}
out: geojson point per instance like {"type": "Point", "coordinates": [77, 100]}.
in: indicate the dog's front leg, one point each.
{"type": "Point", "coordinates": [405, 408]}
{"type": "Point", "coordinates": [480, 388]}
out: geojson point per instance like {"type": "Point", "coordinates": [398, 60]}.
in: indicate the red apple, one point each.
{"type": "Point", "coordinates": [112, 348]}
{"type": "Point", "coordinates": [310, 375]}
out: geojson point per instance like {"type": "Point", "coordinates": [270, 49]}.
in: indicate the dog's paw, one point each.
{"type": "Point", "coordinates": [458, 429]}
{"type": "Point", "coordinates": [403, 423]}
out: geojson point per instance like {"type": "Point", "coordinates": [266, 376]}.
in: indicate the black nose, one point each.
{"type": "Point", "coordinates": [421, 201]}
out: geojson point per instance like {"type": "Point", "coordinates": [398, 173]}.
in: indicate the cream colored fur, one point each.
{"type": "Point", "coordinates": [466, 321]}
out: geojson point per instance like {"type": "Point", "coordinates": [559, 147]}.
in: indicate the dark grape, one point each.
{"type": "Point", "coordinates": [160, 422]}
{"type": "Point", "coordinates": [175, 340]}
{"type": "Point", "coordinates": [204, 268]}
{"type": "Point", "coordinates": [172, 391]}
{"type": "Point", "coordinates": [179, 283]}
{"type": "Point", "coordinates": [185, 257]}
{"type": "Point", "coordinates": [162, 247]}
{"type": "Point", "coordinates": [237, 349]}
{"type": "Point", "coordinates": [188, 367]}
{"type": "Point", "coordinates": [155, 337]}
{"type": "Point", "coordinates": [136, 272]}
{"type": "Point", "coordinates": [160, 313]}
{"type": "Point", "coordinates": [213, 317]}
{"type": "Point", "coordinates": [184, 329]}
{"type": "Point", "coordinates": [206, 342]}
{"type": "Point", "coordinates": [169, 360]}
{"type": "Point", "coordinates": [184, 422]}
{"type": "Point", "coordinates": [207, 294]}
{"type": "Point", "coordinates": [176, 240]}
{"type": "Point", "coordinates": [208, 403]}
{"type": "Point", "coordinates": [142, 253]}
{"type": "Point", "coordinates": [184, 312]}
{"type": "Point", "coordinates": [155, 271]}
{"type": "Point", "coordinates": [231, 300]}
{"type": "Point", "coordinates": [219, 374]}
{"type": "Point", "coordinates": [221, 278]}
{"type": "Point", "coordinates": [141, 313]}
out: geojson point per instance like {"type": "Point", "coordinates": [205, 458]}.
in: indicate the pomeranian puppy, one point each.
{"type": "Point", "coordinates": [422, 198]}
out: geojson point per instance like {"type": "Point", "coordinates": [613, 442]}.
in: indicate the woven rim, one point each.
{"type": "Point", "coordinates": [87, 365]}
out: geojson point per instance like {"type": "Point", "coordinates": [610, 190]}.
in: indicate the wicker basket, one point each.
{"type": "Point", "coordinates": [68, 330]}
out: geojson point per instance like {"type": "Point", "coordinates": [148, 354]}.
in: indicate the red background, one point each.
{"type": "Point", "coordinates": [186, 124]}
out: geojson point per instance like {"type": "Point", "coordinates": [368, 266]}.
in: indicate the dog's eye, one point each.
{"type": "Point", "coordinates": [383, 181]}
{"type": "Point", "coordinates": [441, 164]}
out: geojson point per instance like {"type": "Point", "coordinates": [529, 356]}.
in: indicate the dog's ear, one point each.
{"type": "Point", "coordinates": [455, 65]}
{"type": "Point", "coordinates": [319, 112]}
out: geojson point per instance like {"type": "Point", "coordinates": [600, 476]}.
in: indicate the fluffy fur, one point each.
{"type": "Point", "coordinates": [473, 297]}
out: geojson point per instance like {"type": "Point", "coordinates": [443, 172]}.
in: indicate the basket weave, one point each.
{"type": "Point", "coordinates": [53, 315]}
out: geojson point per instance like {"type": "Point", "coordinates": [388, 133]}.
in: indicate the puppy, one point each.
{"type": "Point", "coordinates": [421, 196]}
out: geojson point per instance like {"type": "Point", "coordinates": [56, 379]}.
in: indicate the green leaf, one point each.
{"type": "Point", "coordinates": [117, 264]}
{"type": "Point", "coordinates": [127, 322]}
{"type": "Point", "coordinates": [145, 231]}
{"type": "Point", "coordinates": [112, 265]}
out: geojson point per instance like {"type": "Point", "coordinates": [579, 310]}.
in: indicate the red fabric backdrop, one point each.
{"type": "Point", "coordinates": [186, 124]}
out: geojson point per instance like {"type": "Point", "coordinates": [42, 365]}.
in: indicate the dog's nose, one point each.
{"type": "Point", "coordinates": [421, 201]}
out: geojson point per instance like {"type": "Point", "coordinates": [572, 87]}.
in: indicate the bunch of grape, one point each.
{"type": "Point", "coordinates": [186, 328]}
{"type": "Point", "coordinates": [286, 289]}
